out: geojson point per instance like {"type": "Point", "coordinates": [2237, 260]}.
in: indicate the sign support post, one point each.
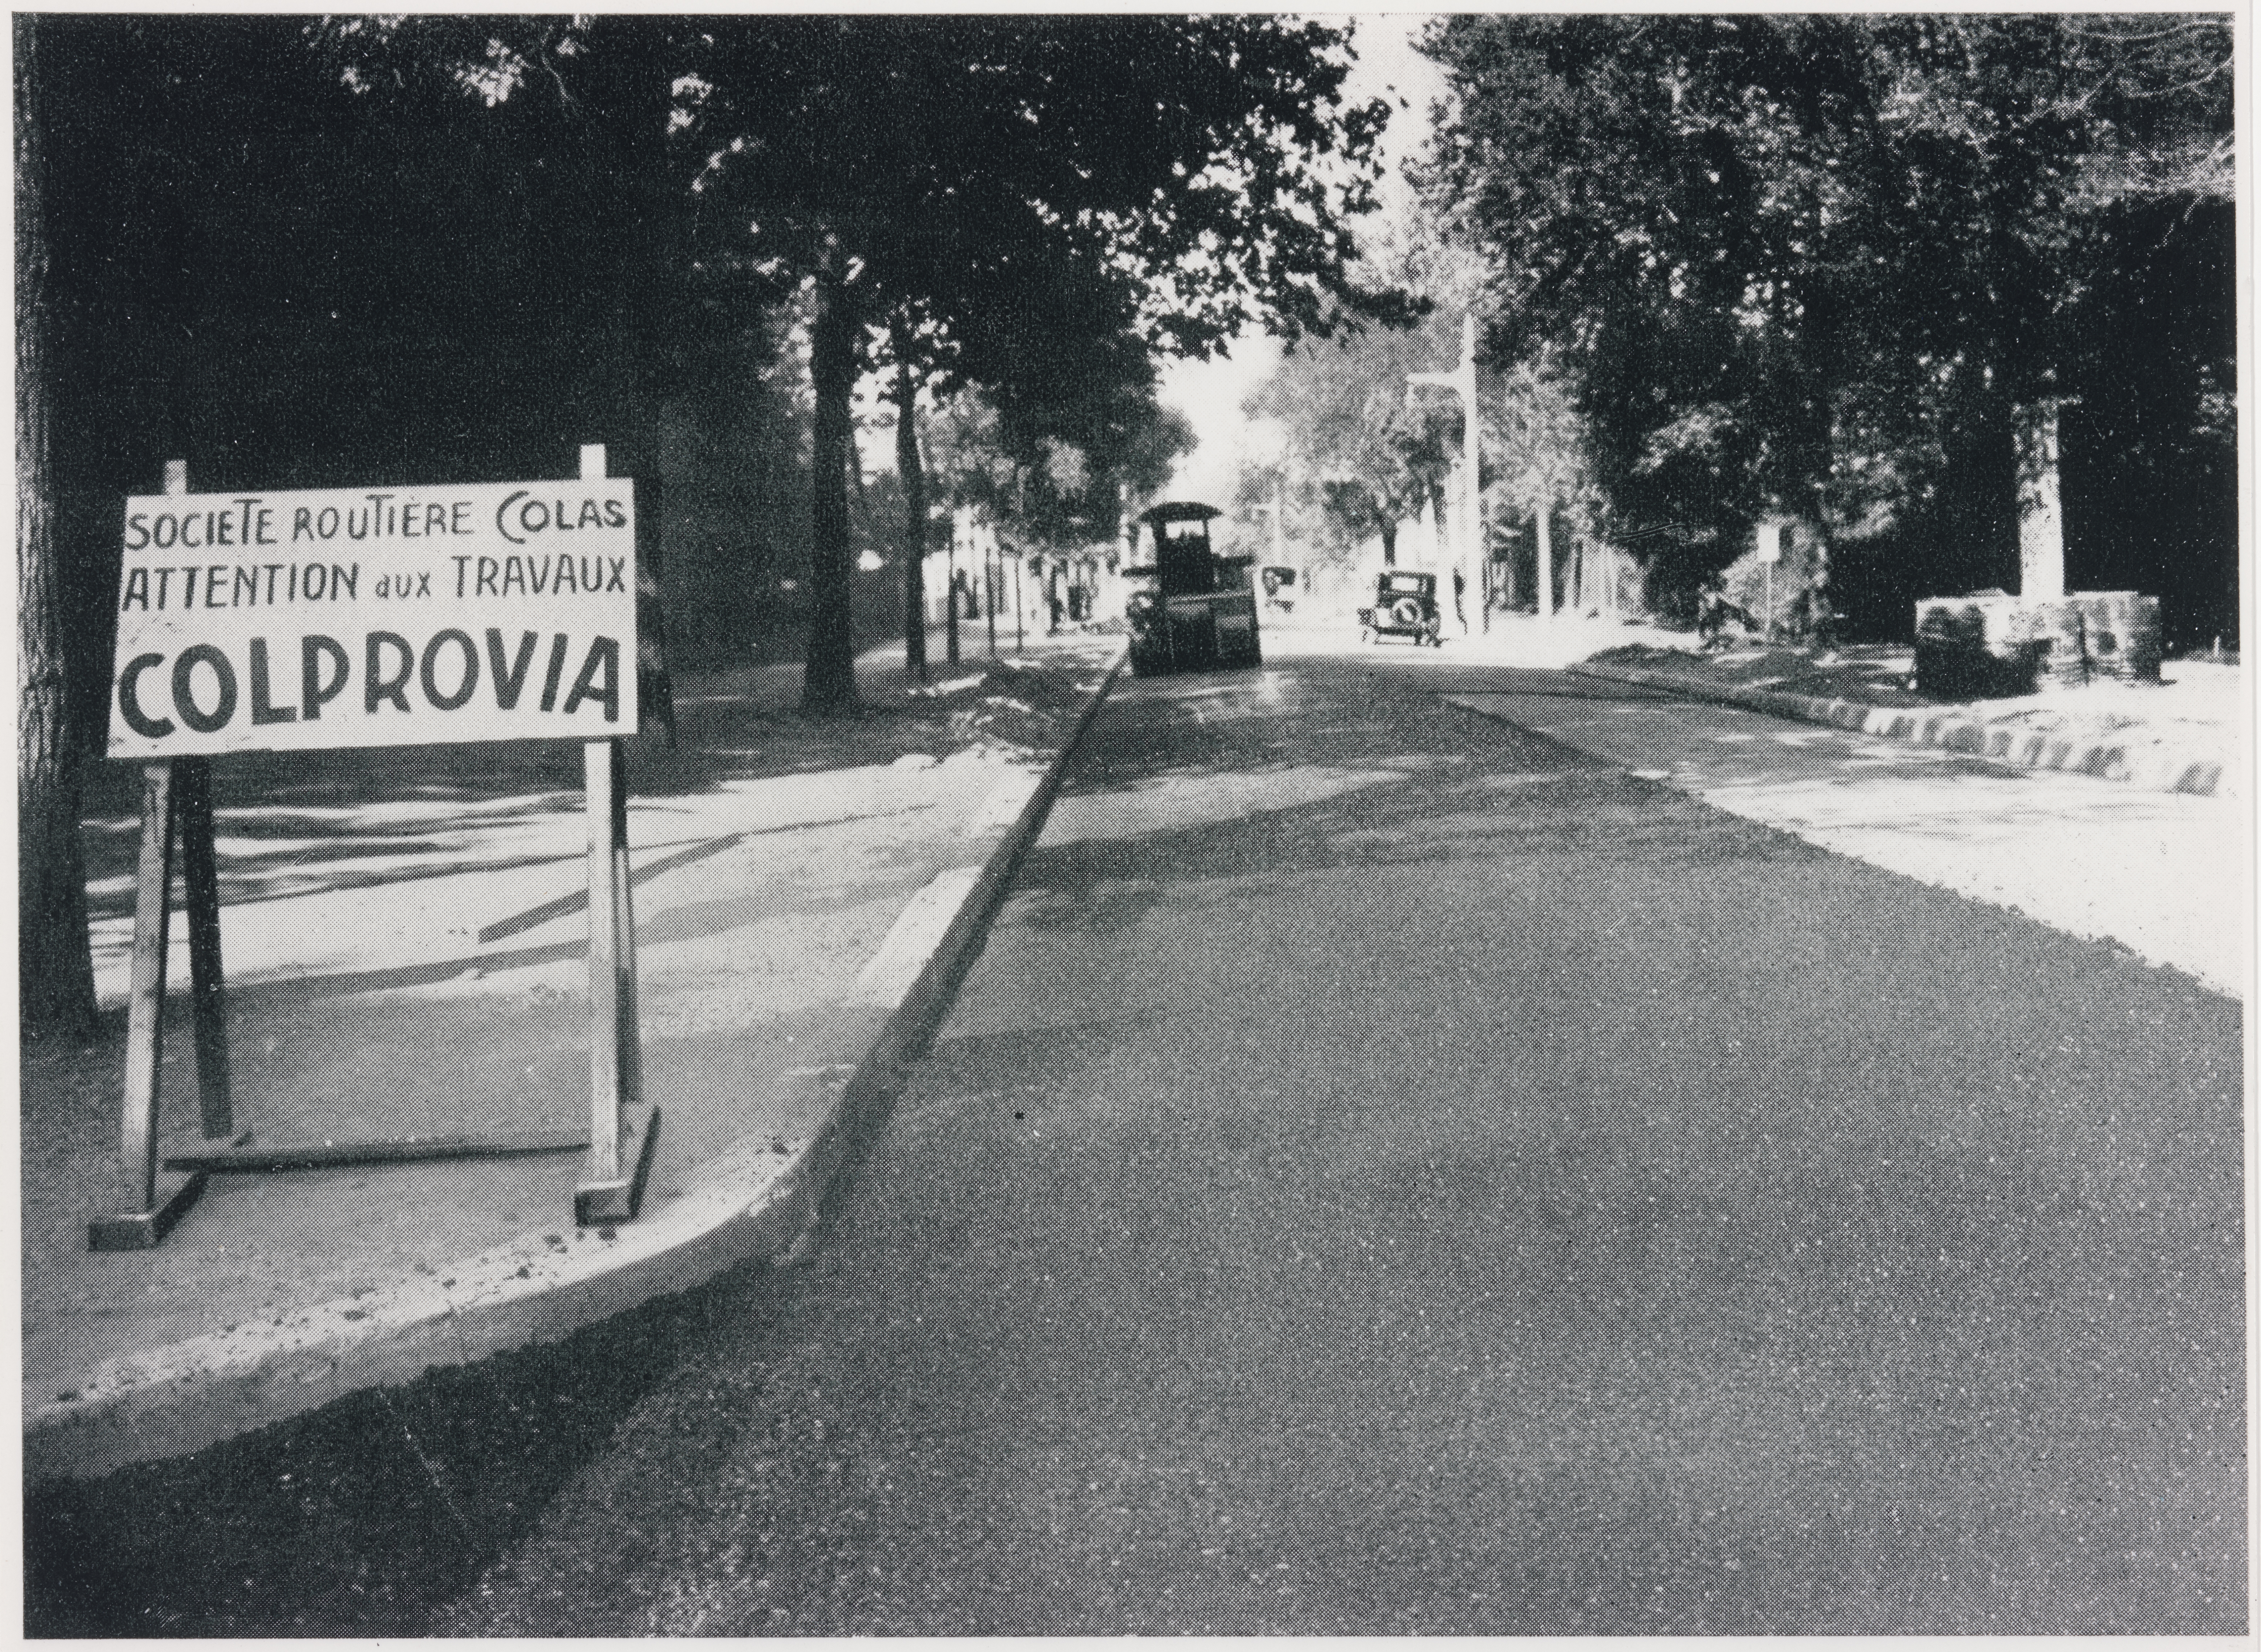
{"type": "Point", "coordinates": [622, 1131]}
{"type": "Point", "coordinates": [176, 802]}
{"type": "Point", "coordinates": [1769, 552]}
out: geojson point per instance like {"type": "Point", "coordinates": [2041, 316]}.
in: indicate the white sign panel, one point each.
{"type": "Point", "coordinates": [298, 621]}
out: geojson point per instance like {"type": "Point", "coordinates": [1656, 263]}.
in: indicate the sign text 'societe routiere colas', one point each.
{"type": "Point", "coordinates": [504, 611]}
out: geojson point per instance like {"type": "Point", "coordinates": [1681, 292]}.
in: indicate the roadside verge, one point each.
{"type": "Point", "coordinates": [2134, 755]}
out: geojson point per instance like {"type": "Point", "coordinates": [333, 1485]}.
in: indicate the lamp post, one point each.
{"type": "Point", "coordinates": [1462, 380]}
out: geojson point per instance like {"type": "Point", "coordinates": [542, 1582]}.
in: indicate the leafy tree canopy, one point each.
{"type": "Point", "coordinates": [1812, 262]}
{"type": "Point", "coordinates": [1353, 444]}
{"type": "Point", "coordinates": [1213, 158]}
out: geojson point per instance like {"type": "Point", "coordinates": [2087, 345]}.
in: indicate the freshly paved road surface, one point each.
{"type": "Point", "coordinates": [2165, 874]}
{"type": "Point", "coordinates": [1388, 1172]}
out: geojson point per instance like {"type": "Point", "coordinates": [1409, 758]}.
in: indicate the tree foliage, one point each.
{"type": "Point", "coordinates": [1817, 263]}
{"type": "Point", "coordinates": [1194, 175]}
{"type": "Point", "coordinates": [1353, 446]}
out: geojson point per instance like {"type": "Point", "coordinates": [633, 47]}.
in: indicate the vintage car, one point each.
{"type": "Point", "coordinates": [1405, 605]}
{"type": "Point", "coordinates": [1279, 588]}
{"type": "Point", "coordinates": [1200, 612]}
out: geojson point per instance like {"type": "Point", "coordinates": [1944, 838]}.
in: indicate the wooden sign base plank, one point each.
{"type": "Point", "coordinates": [247, 1157]}
{"type": "Point", "coordinates": [145, 1230]}
{"type": "Point", "coordinates": [599, 1202]}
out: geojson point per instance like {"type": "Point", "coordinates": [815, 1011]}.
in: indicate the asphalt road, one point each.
{"type": "Point", "coordinates": [1391, 1172]}
{"type": "Point", "coordinates": [2165, 874]}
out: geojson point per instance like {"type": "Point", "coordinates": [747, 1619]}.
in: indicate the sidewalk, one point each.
{"type": "Point", "coordinates": [2186, 733]}
{"type": "Point", "coordinates": [405, 945]}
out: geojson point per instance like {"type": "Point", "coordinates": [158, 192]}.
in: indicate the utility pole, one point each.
{"type": "Point", "coordinates": [1462, 380]}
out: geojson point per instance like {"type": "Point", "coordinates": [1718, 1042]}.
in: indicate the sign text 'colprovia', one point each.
{"type": "Point", "coordinates": [337, 617]}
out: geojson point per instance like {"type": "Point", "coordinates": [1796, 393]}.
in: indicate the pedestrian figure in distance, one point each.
{"type": "Point", "coordinates": [1714, 610]}
{"type": "Point", "coordinates": [1460, 585]}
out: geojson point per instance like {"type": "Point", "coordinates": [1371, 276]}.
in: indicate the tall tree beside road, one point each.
{"type": "Point", "coordinates": [1827, 264]}
{"type": "Point", "coordinates": [911, 469]}
{"type": "Point", "coordinates": [1543, 451]}
{"type": "Point", "coordinates": [54, 968]}
{"type": "Point", "coordinates": [130, 132]}
{"type": "Point", "coordinates": [909, 162]}
{"type": "Point", "coordinates": [1056, 472]}
{"type": "Point", "coordinates": [1072, 377]}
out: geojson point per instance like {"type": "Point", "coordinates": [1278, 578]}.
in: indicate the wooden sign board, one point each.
{"type": "Point", "coordinates": [341, 618]}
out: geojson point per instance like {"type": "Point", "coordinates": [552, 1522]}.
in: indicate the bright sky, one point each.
{"type": "Point", "coordinates": [1209, 393]}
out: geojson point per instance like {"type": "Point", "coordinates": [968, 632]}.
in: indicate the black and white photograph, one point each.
{"type": "Point", "coordinates": [1132, 822]}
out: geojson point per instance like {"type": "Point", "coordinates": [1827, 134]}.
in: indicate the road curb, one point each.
{"type": "Point", "coordinates": [748, 1204]}
{"type": "Point", "coordinates": [2107, 760]}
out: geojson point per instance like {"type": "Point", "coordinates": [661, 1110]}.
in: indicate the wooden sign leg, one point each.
{"type": "Point", "coordinates": [200, 902]}
{"type": "Point", "coordinates": [159, 1203]}
{"type": "Point", "coordinates": [628, 1041]}
{"type": "Point", "coordinates": [622, 1133]}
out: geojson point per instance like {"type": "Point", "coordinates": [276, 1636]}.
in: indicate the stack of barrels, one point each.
{"type": "Point", "coordinates": [1993, 644]}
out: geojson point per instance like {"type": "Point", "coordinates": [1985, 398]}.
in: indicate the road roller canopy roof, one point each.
{"type": "Point", "coordinates": [1180, 511]}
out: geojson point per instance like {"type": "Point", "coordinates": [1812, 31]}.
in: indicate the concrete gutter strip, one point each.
{"type": "Point", "coordinates": [2163, 770]}
{"type": "Point", "coordinates": [748, 1203]}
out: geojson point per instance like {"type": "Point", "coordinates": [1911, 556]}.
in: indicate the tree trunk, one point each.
{"type": "Point", "coordinates": [1388, 541]}
{"type": "Point", "coordinates": [1544, 516]}
{"type": "Point", "coordinates": [54, 957]}
{"type": "Point", "coordinates": [2040, 512]}
{"type": "Point", "coordinates": [914, 479]}
{"type": "Point", "coordinates": [827, 682]}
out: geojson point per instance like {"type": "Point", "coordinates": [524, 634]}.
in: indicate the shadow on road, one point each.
{"type": "Point", "coordinates": [363, 1518]}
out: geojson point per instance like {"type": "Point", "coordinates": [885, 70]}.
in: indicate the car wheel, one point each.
{"type": "Point", "coordinates": [1406, 611]}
